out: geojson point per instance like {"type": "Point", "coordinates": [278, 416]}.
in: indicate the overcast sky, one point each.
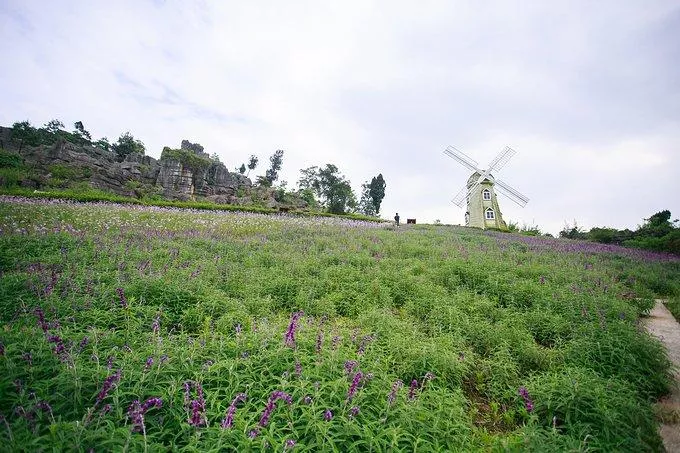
{"type": "Point", "coordinates": [588, 93]}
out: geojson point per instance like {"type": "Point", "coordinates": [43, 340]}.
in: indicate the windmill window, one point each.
{"type": "Point", "coordinates": [486, 194]}
{"type": "Point", "coordinates": [490, 214]}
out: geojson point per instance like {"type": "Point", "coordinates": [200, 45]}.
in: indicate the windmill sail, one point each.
{"type": "Point", "coordinates": [511, 193]}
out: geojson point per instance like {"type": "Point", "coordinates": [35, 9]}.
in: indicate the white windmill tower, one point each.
{"type": "Point", "coordinates": [479, 194]}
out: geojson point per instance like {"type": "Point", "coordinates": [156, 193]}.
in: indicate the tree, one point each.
{"type": "Point", "coordinates": [25, 134]}
{"type": "Point", "coordinates": [80, 130]}
{"type": "Point", "coordinates": [103, 143]}
{"type": "Point", "coordinates": [377, 191]}
{"type": "Point", "coordinates": [215, 158]}
{"type": "Point", "coordinates": [366, 205]}
{"type": "Point", "coordinates": [252, 163]}
{"type": "Point", "coordinates": [127, 145]}
{"type": "Point", "coordinates": [272, 173]}
{"type": "Point", "coordinates": [242, 169]}
{"type": "Point", "coordinates": [54, 127]}
{"type": "Point", "coordinates": [331, 187]}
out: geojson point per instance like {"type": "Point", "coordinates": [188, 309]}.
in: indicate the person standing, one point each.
{"type": "Point", "coordinates": [396, 219]}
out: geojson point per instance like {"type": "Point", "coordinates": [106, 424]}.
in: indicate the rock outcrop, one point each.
{"type": "Point", "coordinates": [137, 175]}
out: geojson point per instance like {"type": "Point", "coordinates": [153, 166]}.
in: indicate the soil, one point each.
{"type": "Point", "coordinates": [662, 325]}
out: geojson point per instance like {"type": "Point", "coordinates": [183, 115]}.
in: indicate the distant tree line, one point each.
{"type": "Point", "coordinates": [53, 131]}
{"type": "Point", "coordinates": [321, 187]}
{"type": "Point", "coordinates": [656, 233]}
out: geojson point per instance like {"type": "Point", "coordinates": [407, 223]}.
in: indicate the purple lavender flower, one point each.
{"type": "Point", "coordinates": [427, 378]}
{"type": "Point", "coordinates": [528, 403]}
{"type": "Point", "coordinates": [238, 329]}
{"type": "Point", "coordinates": [393, 393]}
{"type": "Point", "coordinates": [307, 400]}
{"type": "Point", "coordinates": [271, 404]}
{"type": "Point", "coordinates": [228, 421]}
{"type": "Point", "coordinates": [319, 341]}
{"type": "Point", "coordinates": [156, 324]}
{"type": "Point", "coordinates": [358, 376]}
{"type": "Point", "coordinates": [136, 412]}
{"type": "Point", "coordinates": [350, 365]}
{"type": "Point", "coordinates": [335, 342]}
{"type": "Point", "coordinates": [122, 298]}
{"type": "Point", "coordinates": [83, 343]}
{"type": "Point", "coordinates": [253, 433]}
{"type": "Point", "coordinates": [412, 390]}
{"type": "Point", "coordinates": [106, 387]}
{"type": "Point", "coordinates": [290, 443]}
{"type": "Point", "coordinates": [353, 411]}
{"type": "Point", "coordinates": [164, 358]}
{"type": "Point", "coordinates": [109, 362]}
{"type": "Point", "coordinates": [365, 340]}
{"type": "Point", "coordinates": [195, 407]}
{"type": "Point", "coordinates": [28, 357]}
{"type": "Point", "coordinates": [292, 327]}
{"type": "Point", "coordinates": [106, 409]}
{"type": "Point", "coordinates": [41, 319]}
{"type": "Point", "coordinates": [148, 364]}
{"type": "Point", "coordinates": [328, 415]}
{"type": "Point", "coordinates": [298, 368]}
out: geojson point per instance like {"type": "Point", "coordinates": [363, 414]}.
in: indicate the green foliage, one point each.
{"type": "Point", "coordinates": [272, 173]}
{"type": "Point", "coordinates": [657, 233]}
{"type": "Point", "coordinates": [242, 169]}
{"type": "Point", "coordinates": [10, 177]}
{"type": "Point", "coordinates": [484, 314]}
{"type": "Point", "coordinates": [10, 160]}
{"type": "Point", "coordinates": [25, 134]}
{"type": "Point", "coordinates": [330, 186]}
{"type": "Point", "coordinates": [187, 158]}
{"type": "Point", "coordinates": [252, 163]}
{"type": "Point", "coordinates": [377, 191]}
{"type": "Point", "coordinates": [126, 145]}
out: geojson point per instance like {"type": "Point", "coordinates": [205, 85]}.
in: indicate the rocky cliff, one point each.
{"type": "Point", "coordinates": [181, 174]}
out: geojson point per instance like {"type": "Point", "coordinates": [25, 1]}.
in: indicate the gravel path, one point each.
{"type": "Point", "coordinates": [662, 325]}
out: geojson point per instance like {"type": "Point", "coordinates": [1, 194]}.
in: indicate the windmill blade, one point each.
{"type": "Point", "coordinates": [511, 193]}
{"type": "Point", "coordinates": [458, 199]}
{"type": "Point", "coordinates": [461, 158]}
{"type": "Point", "coordinates": [502, 159]}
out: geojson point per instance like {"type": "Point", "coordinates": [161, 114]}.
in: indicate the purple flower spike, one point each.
{"type": "Point", "coordinates": [307, 400]}
{"type": "Point", "coordinates": [298, 368]}
{"type": "Point", "coordinates": [393, 393]}
{"type": "Point", "coordinates": [148, 364]}
{"type": "Point", "coordinates": [350, 365]}
{"type": "Point", "coordinates": [528, 403]}
{"type": "Point", "coordinates": [290, 443]}
{"type": "Point", "coordinates": [412, 390]}
{"type": "Point", "coordinates": [319, 341]}
{"type": "Point", "coordinates": [358, 376]}
{"type": "Point", "coordinates": [253, 433]}
{"type": "Point", "coordinates": [353, 411]}
{"type": "Point", "coordinates": [271, 404]}
{"type": "Point", "coordinates": [289, 337]}
{"type": "Point", "coordinates": [106, 387]}
{"type": "Point", "coordinates": [328, 415]}
{"type": "Point", "coordinates": [121, 297]}
{"type": "Point", "coordinates": [228, 421]}
{"type": "Point", "coordinates": [156, 324]}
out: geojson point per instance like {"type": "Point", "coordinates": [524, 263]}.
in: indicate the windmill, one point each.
{"type": "Point", "coordinates": [478, 193]}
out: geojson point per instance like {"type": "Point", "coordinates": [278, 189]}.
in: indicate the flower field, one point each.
{"type": "Point", "coordinates": [134, 328]}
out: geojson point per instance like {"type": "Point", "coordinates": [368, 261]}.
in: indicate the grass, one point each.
{"type": "Point", "coordinates": [425, 338]}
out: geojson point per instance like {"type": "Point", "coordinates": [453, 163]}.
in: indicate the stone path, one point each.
{"type": "Point", "coordinates": [662, 325]}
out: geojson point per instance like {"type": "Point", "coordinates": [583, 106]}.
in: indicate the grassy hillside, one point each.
{"type": "Point", "coordinates": [138, 328]}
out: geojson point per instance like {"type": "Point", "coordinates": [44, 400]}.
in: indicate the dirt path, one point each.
{"type": "Point", "coordinates": [662, 325]}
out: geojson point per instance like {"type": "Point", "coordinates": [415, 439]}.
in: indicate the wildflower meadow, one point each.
{"type": "Point", "coordinates": [137, 328]}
